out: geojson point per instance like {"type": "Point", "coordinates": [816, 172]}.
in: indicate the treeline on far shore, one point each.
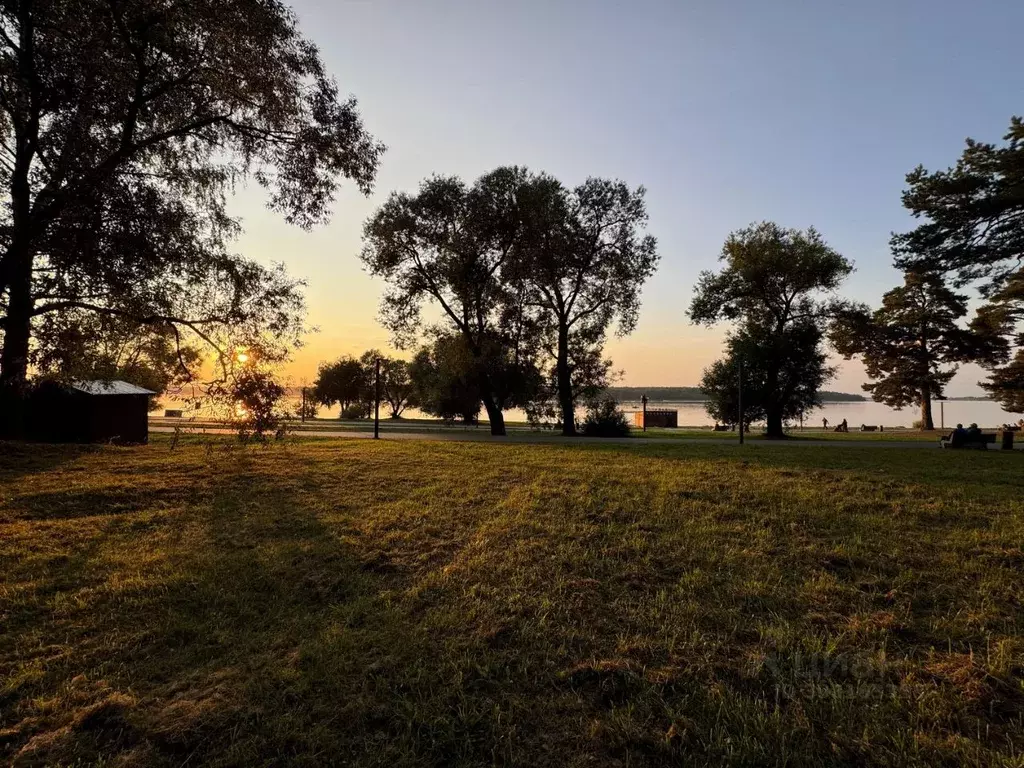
{"type": "Point", "coordinates": [694, 394]}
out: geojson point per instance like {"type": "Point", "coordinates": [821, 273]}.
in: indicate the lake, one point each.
{"type": "Point", "coordinates": [985, 413]}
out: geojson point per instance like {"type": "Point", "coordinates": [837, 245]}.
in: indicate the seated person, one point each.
{"type": "Point", "coordinates": [973, 434]}
{"type": "Point", "coordinates": [958, 435]}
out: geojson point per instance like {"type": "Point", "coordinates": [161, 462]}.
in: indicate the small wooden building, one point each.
{"type": "Point", "coordinates": [89, 412]}
{"type": "Point", "coordinates": [657, 417]}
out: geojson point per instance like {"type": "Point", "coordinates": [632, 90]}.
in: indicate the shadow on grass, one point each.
{"type": "Point", "coordinates": [243, 632]}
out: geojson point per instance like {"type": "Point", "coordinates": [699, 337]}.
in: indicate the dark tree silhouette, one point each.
{"type": "Point", "coordinates": [448, 244]}
{"type": "Point", "coordinates": [123, 128]}
{"type": "Point", "coordinates": [444, 380]}
{"type": "Point", "coordinates": [775, 284]}
{"type": "Point", "coordinates": [342, 382]}
{"type": "Point", "coordinates": [583, 260]}
{"type": "Point", "coordinates": [912, 344]}
{"type": "Point", "coordinates": [783, 373]}
{"type": "Point", "coordinates": [973, 228]}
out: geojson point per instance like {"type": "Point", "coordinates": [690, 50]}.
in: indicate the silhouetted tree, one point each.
{"type": "Point", "coordinates": [912, 344]}
{"type": "Point", "coordinates": [396, 388]}
{"type": "Point", "coordinates": [444, 381]}
{"type": "Point", "coordinates": [974, 229]}
{"type": "Point", "coordinates": [583, 261]}
{"type": "Point", "coordinates": [124, 127]}
{"type": "Point", "coordinates": [448, 244]}
{"type": "Point", "coordinates": [783, 373]}
{"type": "Point", "coordinates": [342, 382]}
{"type": "Point", "coordinates": [775, 286]}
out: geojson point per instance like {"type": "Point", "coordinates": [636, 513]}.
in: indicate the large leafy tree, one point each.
{"type": "Point", "coordinates": [343, 382]}
{"type": "Point", "coordinates": [583, 259]}
{"type": "Point", "coordinates": [448, 245]}
{"type": "Point", "coordinates": [973, 228]}
{"type": "Point", "coordinates": [443, 377]}
{"type": "Point", "coordinates": [912, 344]}
{"type": "Point", "coordinates": [782, 372]}
{"type": "Point", "coordinates": [123, 128]}
{"type": "Point", "coordinates": [775, 287]}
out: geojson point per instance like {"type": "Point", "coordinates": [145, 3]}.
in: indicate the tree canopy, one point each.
{"type": "Point", "coordinates": [582, 259]}
{"type": "Point", "coordinates": [775, 286]}
{"type": "Point", "coordinates": [973, 229]}
{"type": "Point", "coordinates": [124, 127]}
{"type": "Point", "coordinates": [912, 344]}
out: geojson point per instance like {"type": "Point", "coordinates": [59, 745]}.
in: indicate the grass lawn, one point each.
{"type": "Point", "coordinates": [427, 603]}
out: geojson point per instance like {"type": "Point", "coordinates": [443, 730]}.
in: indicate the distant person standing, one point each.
{"type": "Point", "coordinates": [844, 426]}
{"type": "Point", "coordinates": [824, 424]}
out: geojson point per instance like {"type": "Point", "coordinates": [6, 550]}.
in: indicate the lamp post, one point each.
{"type": "Point", "coordinates": [376, 399]}
{"type": "Point", "coordinates": [643, 402]}
{"type": "Point", "coordinates": [740, 401]}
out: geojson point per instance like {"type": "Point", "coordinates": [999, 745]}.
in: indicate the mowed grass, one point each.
{"type": "Point", "coordinates": [424, 603]}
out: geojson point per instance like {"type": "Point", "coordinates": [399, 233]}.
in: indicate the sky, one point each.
{"type": "Point", "coordinates": [804, 112]}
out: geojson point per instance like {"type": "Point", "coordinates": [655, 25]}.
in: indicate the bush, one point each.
{"type": "Point", "coordinates": [354, 411]}
{"type": "Point", "coordinates": [604, 419]}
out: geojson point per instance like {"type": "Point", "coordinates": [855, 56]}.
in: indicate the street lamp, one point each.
{"type": "Point", "coordinates": [376, 399]}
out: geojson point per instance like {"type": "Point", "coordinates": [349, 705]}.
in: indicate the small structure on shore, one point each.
{"type": "Point", "coordinates": [89, 412]}
{"type": "Point", "coordinates": [657, 417]}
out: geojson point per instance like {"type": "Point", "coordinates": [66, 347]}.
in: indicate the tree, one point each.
{"type": "Point", "coordinates": [783, 373]}
{"type": "Point", "coordinates": [974, 230]}
{"type": "Point", "coordinates": [86, 346]}
{"type": "Point", "coordinates": [444, 381]}
{"type": "Point", "coordinates": [124, 126]}
{"type": "Point", "coordinates": [342, 382]}
{"type": "Point", "coordinates": [396, 388]}
{"type": "Point", "coordinates": [911, 345]}
{"type": "Point", "coordinates": [448, 244]}
{"type": "Point", "coordinates": [775, 286]}
{"type": "Point", "coordinates": [583, 261]}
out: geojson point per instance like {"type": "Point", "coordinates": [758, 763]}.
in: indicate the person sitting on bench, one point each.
{"type": "Point", "coordinates": [973, 434]}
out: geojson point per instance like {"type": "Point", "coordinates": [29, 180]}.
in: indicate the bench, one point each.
{"type": "Point", "coordinates": [977, 443]}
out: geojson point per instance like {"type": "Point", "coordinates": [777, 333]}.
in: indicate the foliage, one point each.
{"type": "Point", "coordinates": [973, 228]}
{"type": "Point", "coordinates": [353, 412]}
{"type": "Point", "coordinates": [342, 382]}
{"type": "Point", "coordinates": [85, 346]}
{"type": "Point", "coordinates": [396, 387]}
{"type": "Point", "coordinates": [782, 373]}
{"type": "Point", "coordinates": [911, 344]}
{"type": "Point", "coordinates": [582, 260]}
{"type": "Point", "coordinates": [125, 128]}
{"type": "Point", "coordinates": [254, 399]}
{"type": "Point", "coordinates": [775, 287]}
{"type": "Point", "coordinates": [444, 382]}
{"type": "Point", "coordinates": [447, 244]}
{"type": "Point", "coordinates": [605, 419]}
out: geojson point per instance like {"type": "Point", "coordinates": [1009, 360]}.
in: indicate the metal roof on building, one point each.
{"type": "Point", "coordinates": [110, 388]}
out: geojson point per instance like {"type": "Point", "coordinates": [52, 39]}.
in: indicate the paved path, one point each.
{"type": "Point", "coordinates": [540, 437]}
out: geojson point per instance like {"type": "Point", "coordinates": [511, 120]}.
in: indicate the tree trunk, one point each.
{"type": "Point", "coordinates": [563, 375]}
{"type": "Point", "coordinates": [494, 414]}
{"type": "Point", "coordinates": [773, 419]}
{"type": "Point", "coordinates": [927, 422]}
{"type": "Point", "coordinates": [17, 333]}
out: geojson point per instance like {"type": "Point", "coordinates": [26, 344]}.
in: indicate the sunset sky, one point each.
{"type": "Point", "coordinates": [728, 111]}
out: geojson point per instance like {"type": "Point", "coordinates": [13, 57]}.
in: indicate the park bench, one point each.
{"type": "Point", "coordinates": [866, 428]}
{"type": "Point", "coordinates": [978, 442]}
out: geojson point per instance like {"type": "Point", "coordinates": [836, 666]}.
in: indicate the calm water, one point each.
{"type": "Point", "coordinates": [984, 413]}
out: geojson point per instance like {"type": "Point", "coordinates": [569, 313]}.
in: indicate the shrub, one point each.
{"type": "Point", "coordinates": [604, 419]}
{"type": "Point", "coordinates": [354, 411]}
